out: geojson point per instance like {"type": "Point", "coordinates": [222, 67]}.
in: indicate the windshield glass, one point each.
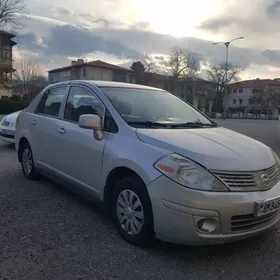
{"type": "Point", "coordinates": [142, 105]}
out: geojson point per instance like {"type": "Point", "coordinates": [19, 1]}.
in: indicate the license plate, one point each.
{"type": "Point", "coordinates": [8, 132]}
{"type": "Point", "coordinates": [268, 206]}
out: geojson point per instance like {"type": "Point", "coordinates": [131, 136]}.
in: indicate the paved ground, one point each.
{"type": "Point", "coordinates": [49, 233]}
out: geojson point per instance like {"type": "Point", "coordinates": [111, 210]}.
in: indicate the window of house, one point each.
{"type": "Point", "coordinates": [6, 52]}
{"type": "Point", "coordinates": [255, 90]}
{"type": "Point", "coordinates": [234, 101]}
{"type": "Point", "coordinates": [51, 102]}
{"type": "Point", "coordinates": [240, 90]}
{"type": "Point", "coordinates": [251, 101]}
{"type": "Point", "coordinates": [81, 101]}
{"type": "Point", "coordinates": [235, 90]}
{"type": "Point", "coordinates": [240, 101]}
{"type": "Point", "coordinates": [85, 72]}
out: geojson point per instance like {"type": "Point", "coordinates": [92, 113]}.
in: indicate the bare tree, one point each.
{"type": "Point", "coordinates": [275, 101]}
{"type": "Point", "coordinates": [28, 73]}
{"type": "Point", "coordinates": [150, 64]}
{"type": "Point", "coordinates": [176, 64]}
{"type": "Point", "coordinates": [267, 99]}
{"type": "Point", "coordinates": [10, 12]}
{"type": "Point", "coordinates": [181, 63]}
{"type": "Point", "coordinates": [217, 75]}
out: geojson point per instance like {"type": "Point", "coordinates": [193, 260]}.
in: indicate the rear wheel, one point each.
{"type": "Point", "coordinates": [132, 212]}
{"type": "Point", "coordinates": [27, 163]}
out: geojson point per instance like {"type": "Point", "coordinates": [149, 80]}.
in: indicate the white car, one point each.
{"type": "Point", "coordinates": [8, 126]}
{"type": "Point", "coordinates": [160, 168]}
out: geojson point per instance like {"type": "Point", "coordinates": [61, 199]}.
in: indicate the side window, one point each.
{"type": "Point", "coordinates": [51, 102]}
{"type": "Point", "coordinates": [81, 101]}
{"type": "Point", "coordinates": [109, 123]}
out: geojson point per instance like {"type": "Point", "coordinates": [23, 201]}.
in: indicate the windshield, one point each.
{"type": "Point", "coordinates": [145, 105]}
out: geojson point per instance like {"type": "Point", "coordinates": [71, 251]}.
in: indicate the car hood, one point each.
{"type": "Point", "coordinates": [215, 148]}
{"type": "Point", "coordinates": [12, 117]}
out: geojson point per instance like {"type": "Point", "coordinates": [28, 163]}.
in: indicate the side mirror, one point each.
{"type": "Point", "coordinates": [92, 122]}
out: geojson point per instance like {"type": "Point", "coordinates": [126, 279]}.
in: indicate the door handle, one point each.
{"type": "Point", "coordinates": [61, 130]}
{"type": "Point", "coordinates": [33, 122]}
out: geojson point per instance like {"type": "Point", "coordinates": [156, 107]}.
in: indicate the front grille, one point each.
{"type": "Point", "coordinates": [247, 222]}
{"type": "Point", "coordinates": [250, 181]}
{"type": "Point", "coordinates": [7, 135]}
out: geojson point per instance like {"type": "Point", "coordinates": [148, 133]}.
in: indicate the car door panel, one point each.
{"type": "Point", "coordinates": [43, 123]}
{"type": "Point", "coordinates": [78, 156]}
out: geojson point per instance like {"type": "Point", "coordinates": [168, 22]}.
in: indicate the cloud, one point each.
{"type": "Point", "coordinates": [273, 9]}
{"type": "Point", "coordinates": [272, 56]}
{"type": "Point", "coordinates": [56, 34]}
{"type": "Point", "coordinates": [73, 41]}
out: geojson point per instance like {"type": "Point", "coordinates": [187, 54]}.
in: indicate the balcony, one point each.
{"type": "Point", "coordinates": [6, 65]}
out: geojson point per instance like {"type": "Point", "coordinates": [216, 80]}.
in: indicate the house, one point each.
{"type": "Point", "coordinates": [241, 93]}
{"type": "Point", "coordinates": [199, 92]}
{"type": "Point", "coordinates": [92, 70]}
{"type": "Point", "coordinates": [6, 63]}
{"type": "Point", "coordinates": [187, 88]}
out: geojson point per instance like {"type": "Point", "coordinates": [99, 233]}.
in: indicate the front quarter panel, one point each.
{"type": "Point", "coordinates": [128, 151]}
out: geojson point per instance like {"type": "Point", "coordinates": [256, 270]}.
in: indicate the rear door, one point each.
{"type": "Point", "coordinates": [44, 125]}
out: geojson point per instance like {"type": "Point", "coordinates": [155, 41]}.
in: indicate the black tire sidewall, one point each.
{"type": "Point", "coordinates": [146, 237]}
{"type": "Point", "coordinates": [32, 174]}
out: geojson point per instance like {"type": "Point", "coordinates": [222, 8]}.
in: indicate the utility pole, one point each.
{"type": "Point", "coordinates": [226, 73]}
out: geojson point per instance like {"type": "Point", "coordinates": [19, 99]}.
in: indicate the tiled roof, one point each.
{"type": "Point", "coordinates": [102, 64]}
{"type": "Point", "coordinates": [7, 33]}
{"type": "Point", "coordinates": [193, 79]}
{"type": "Point", "coordinates": [96, 63]}
{"type": "Point", "coordinates": [257, 83]}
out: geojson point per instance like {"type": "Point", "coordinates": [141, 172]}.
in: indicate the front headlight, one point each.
{"type": "Point", "coordinates": [188, 173]}
{"type": "Point", "coordinates": [276, 157]}
{"type": "Point", "coordinates": [3, 119]}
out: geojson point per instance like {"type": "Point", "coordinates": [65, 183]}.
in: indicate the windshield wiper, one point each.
{"type": "Point", "coordinates": [151, 124]}
{"type": "Point", "coordinates": [193, 125]}
{"type": "Point", "coordinates": [147, 124]}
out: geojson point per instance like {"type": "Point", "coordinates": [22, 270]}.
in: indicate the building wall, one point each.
{"type": "Point", "coordinates": [240, 98]}
{"type": "Point", "coordinates": [95, 73]}
{"type": "Point", "coordinates": [5, 92]}
{"type": "Point", "coordinates": [59, 76]}
{"type": "Point", "coordinates": [156, 83]}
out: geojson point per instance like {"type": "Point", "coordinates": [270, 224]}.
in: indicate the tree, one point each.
{"type": "Point", "coordinates": [28, 73]}
{"type": "Point", "coordinates": [139, 71]}
{"type": "Point", "coordinates": [217, 75]}
{"type": "Point", "coordinates": [9, 13]}
{"type": "Point", "coordinates": [176, 64]}
{"type": "Point", "coordinates": [267, 99]}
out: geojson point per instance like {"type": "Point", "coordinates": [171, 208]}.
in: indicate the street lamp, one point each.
{"type": "Point", "coordinates": [226, 82]}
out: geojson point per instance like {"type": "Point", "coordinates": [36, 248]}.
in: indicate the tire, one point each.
{"type": "Point", "coordinates": [27, 163]}
{"type": "Point", "coordinates": [136, 231]}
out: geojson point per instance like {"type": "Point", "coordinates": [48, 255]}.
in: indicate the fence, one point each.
{"type": "Point", "coordinates": [246, 115]}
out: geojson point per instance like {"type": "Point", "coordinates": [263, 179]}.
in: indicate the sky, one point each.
{"type": "Point", "coordinates": [122, 31]}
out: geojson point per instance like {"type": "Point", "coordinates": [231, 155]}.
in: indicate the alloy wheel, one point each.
{"type": "Point", "coordinates": [130, 212]}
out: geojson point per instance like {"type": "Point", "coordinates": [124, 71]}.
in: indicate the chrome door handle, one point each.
{"type": "Point", "coordinates": [33, 122]}
{"type": "Point", "coordinates": [61, 130]}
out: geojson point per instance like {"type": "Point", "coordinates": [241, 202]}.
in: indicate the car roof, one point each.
{"type": "Point", "coordinates": [108, 84]}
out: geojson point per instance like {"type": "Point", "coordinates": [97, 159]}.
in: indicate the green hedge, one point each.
{"type": "Point", "coordinates": [8, 106]}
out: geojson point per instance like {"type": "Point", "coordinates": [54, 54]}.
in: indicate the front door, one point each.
{"type": "Point", "coordinates": [78, 156]}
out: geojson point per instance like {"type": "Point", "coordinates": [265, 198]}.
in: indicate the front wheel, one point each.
{"type": "Point", "coordinates": [27, 163]}
{"type": "Point", "coordinates": [132, 212]}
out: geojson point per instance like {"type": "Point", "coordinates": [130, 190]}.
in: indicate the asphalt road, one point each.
{"type": "Point", "coordinates": [47, 232]}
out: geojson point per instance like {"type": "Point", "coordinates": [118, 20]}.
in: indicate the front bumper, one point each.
{"type": "Point", "coordinates": [177, 209]}
{"type": "Point", "coordinates": [8, 137]}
